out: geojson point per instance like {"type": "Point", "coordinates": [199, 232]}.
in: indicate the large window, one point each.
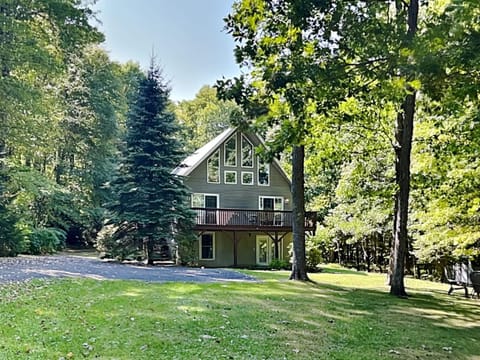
{"type": "Point", "coordinates": [207, 246]}
{"type": "Point", "coordinates": [263, 173]}
{"type": "Point", "coordinates": [247, 152]}
{"type": "Point", "coordinates": [213, 168]}
{"type": "Point", "coordinates": [230, 150]}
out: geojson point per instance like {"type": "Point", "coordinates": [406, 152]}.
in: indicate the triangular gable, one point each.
{"type": "Point", "coordinates": [194, 160]}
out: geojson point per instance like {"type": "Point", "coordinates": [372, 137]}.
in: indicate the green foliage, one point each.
{"type": "Point", "coordinates": [149, 200]}
{"type": "Point", "coordinates": [279, 264]}
{"type": "Point", "coordinates": [119, 242]}
{"type": "Point", "coordinates": [203, 118]}
{"type": "Point", "coordinates": [446, 186]}
{"type": "Point", "coordinates": [11, 239]}
{"type": "Point", "coordinates": [59, 98]}
{"type": "Point", "coordinates": [45, 241]}
{"type": "Point", "coordinates": [313, 256]}
{"type": "Point", "coordinates": [187, 250]}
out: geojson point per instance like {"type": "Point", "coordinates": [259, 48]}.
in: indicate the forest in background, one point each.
{"type": "Point", "coordinates": [63, 120]}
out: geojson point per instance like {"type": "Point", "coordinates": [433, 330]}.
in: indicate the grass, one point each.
{"type": "Point", "coordinates": [344, 315]}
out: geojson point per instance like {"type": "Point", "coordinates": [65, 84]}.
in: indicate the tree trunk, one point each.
{"type": "Point", "coordinates": [403, 135]}
{"type": "Point", "coordinates": [299, 271]}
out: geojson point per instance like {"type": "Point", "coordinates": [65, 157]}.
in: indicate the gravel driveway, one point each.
{"type": "Point", "coordinates": [28, 267]}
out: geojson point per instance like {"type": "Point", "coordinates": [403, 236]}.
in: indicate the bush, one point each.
{"type": "Point", "coordinates": [279, 264]}
{"type": "Point", "coordinates": [187, 251]}
{"type": "Point", "coordinates": [11, 239]}
{"type": "Point", "coordinates": [46, 241]}
{"type": "Point", "coordinates": [313, 256]}
{"type": "Point", "coordinates": [119, 242]}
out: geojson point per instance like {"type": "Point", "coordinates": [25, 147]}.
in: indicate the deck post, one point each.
{"type": "Point", "coordinates": [235, 249]}
{"type": "Point", "coordinates": [275, 244]}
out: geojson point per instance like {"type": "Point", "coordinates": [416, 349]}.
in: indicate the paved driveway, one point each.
{"type": "Point", "coordinates": [28, 267]}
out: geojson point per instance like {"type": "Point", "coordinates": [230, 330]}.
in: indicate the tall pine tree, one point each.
{"type": "Point", "coordinates": [151, 203]}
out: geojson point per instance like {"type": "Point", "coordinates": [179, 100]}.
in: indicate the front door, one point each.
{"type": "Point", "coordinates": [211, 202]}
{"type": "Point", "coordinates": [271, 204]}
{"type": "Point", "coordinates": [263, 250]}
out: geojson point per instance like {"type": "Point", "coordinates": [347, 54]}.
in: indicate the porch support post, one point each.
{"type": "Point", "coordinates": [235, 249]}
{"type": "Point", "coordinates": [275, 245]}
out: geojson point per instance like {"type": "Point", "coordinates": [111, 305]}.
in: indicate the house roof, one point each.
{"type": "Point", "coordinates": [191, 162]}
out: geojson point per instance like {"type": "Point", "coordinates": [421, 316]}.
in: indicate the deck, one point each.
{"type": "Point", "coordinates": [210, 219]}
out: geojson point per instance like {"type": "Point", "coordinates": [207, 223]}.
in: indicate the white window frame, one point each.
{"type": "Point", "coordinates": [260, 202]}
{"type": "Point", "coordinates": [243, 137]}
{"type": "Point", "coordinates": [203, 199]}
{"type": "Point", "coordinates": [200, 238]}
{"type": "Point", "coordinates": [253, 177]}
{"type": "Point", "coordinates": [216, 153]}
{"type": "Point", "coordinates": [270, 247]}
{"type": "Point", "coordinates": [225, 177]}
{"type": "Point", "coordinates": [204, 216]}
{"type": "Point", "coordinates": [234, 138]}
{"type": "Point", "coordinates": [278, 218]}
{"type": "Point", "coordinates": [258, 172]}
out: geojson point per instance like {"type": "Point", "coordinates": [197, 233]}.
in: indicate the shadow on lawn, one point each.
{"type": "Point", "coordinates": [345, 321]}
{"type": "Point", "coordinates": [339, 270]}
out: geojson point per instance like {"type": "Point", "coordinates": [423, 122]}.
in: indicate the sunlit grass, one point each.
{"type": "Point", "coordinates": [343, 315]}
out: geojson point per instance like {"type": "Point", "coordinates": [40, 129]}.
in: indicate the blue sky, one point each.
{"type": "Point", "coordinates": [186, 36]}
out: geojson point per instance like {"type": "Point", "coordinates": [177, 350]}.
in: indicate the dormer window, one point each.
{"type": "Point", "coordinates": [213, 168]}
{"type": "Point", "coordinates": [247, 152]}
{"type": "Point", "coordinates": [230, 150]}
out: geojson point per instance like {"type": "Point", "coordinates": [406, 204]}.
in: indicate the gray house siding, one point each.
{"type": "Point", "coordinates": [238, 196]}
{"type": "Point", "coordinates": [247, 248]}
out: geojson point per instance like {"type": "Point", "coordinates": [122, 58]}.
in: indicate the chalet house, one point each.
{"type": "Point", "coordinates": [242, 204]}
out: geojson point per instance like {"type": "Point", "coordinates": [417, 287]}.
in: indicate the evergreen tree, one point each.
{"type": "Point", "coordinates": [150, 204]}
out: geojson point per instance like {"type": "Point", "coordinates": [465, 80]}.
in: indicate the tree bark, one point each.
{"type": "Point", "coordinates": [403, 135]}
{"type": "Point", "coordinates": [299, 271]}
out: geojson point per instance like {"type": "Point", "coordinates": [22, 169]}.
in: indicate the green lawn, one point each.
{"type": "Point", "coordinates": [345, 315]}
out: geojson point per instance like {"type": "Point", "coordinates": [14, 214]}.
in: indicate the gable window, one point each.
{"type": "Point", "coordinates": [230, 150]}
{"type": "Point", "coordinates": [213, 168]}
{"type": "Point", "coordinates": [247, 152]}
{"type": "Point", "coordinates": [230, 177]}
{"type": "Point", "coordinates": [207, 246]}
{"type": "Point", "coordinates": [263, 173]}
{"type": "Point", "coordinates": [247, 178]}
